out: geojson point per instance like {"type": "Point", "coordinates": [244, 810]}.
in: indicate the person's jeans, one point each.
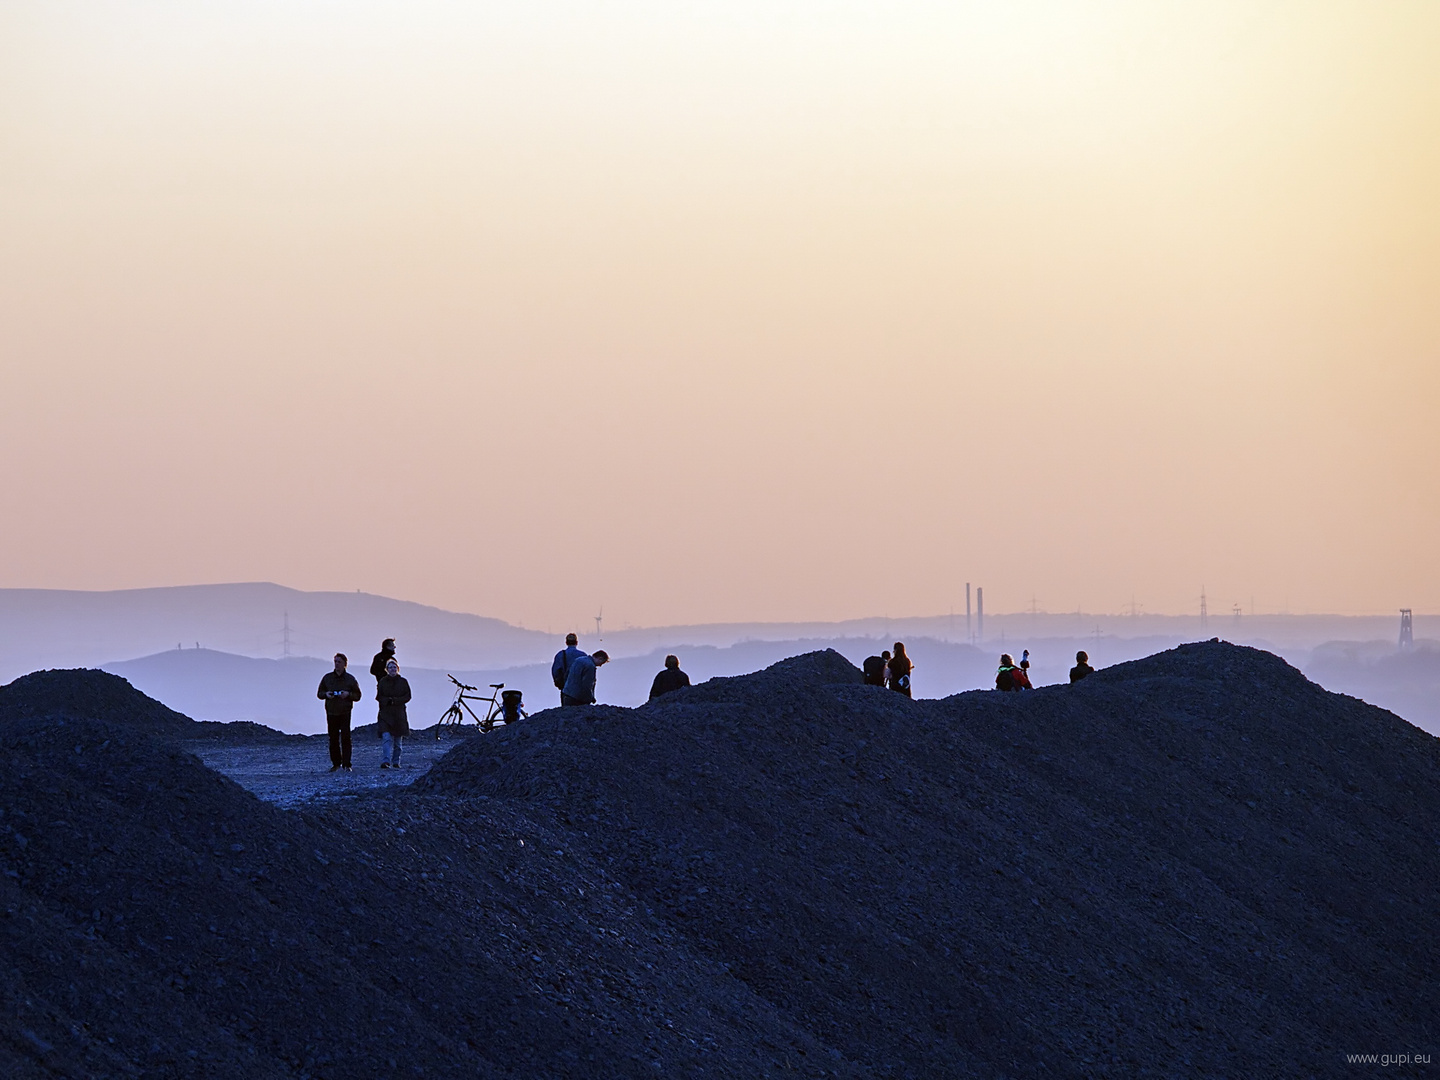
{"type": "Point", "coordinates": [390, 749]}
{"type": "Point", "coordinates": [339, 739]}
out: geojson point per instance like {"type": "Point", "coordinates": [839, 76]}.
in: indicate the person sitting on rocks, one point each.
{"type": "Point", "coordinates": [580, 683]}
{"type": "Point", "coordinates": [670, 679]}
{"type": "Point", "coordinates": [1005, 676]}
{"type": "Point", "coordinates": [393, 692]}
{"type": "Point", "coordinates": [900, 668]}
{"type": "Point", "coordinates": [1082, 667]}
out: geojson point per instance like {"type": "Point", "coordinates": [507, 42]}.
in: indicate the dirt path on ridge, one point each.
{"type": "Point", "coordinates": [299, 770]}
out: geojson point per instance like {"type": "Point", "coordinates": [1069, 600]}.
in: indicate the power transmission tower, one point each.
{"type": "Point", "coordinates": [285, 638]}
{"type": "Point", "coordinates": [1407, 634]}
{"type": "Point", "coordinates": [1204, 613]}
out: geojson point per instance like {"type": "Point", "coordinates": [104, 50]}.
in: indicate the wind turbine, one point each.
{"type": "Point", "coordinates": [598, 635]}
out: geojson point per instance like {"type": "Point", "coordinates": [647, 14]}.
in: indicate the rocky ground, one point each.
{"type": "Point", "coordinates": [1197, 864]}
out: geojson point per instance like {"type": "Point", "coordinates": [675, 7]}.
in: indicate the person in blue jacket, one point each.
{"type": "Point", "coordinates": [580, 683]}
{"type": "Point", "coordinates": [560, 669]}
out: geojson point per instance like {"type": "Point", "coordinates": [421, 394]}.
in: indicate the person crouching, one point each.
{"type": "Point", "coordinates": [392, 692]}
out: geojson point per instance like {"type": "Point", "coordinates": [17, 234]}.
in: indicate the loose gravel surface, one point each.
{"type": "Point", "coordinates": [1197, 864]}
{"type": "Point", "coordinates": [297, 771]}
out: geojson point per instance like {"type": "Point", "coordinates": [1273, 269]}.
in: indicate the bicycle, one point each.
{"type": "Point", "coordinates": [502, 705]}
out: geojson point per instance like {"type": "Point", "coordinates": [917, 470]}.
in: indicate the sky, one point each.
{"type": "Point", "coordinates": [734, 311]}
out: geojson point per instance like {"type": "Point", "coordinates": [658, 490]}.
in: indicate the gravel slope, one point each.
{"type": "Point", "coordinates": [1197, 864]}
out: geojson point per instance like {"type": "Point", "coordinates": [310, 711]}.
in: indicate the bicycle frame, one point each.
{"type": "Point", "coordinates": [454, 717]}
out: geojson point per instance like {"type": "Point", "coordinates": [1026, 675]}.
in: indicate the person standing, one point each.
{"type": "Point", "coordinates": [1082, 667]}
{"type": "Point", "coordinates": [900, 668]}
{"type": "Point", "coordinates": [875, 667]}
{"type": "Point", "coordinates": [560, 669]}
{"type": "Point", "coordinates": [339, 691]}
{"type": "Point", "coordinates": [393, 691]}
{"type": "Point", "coordinates": [377, 666]}
{"type": "Point", "coordinates": [580, 683]}
{"type": "Point", "coordinates": [670, 679]}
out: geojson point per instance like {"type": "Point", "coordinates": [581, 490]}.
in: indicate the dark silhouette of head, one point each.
{"type": "Point", "coordinates": [388, 645]}
{"type": "Point", "coordinates": [600, 657]}
{"type": "Point", "coordinates": [1082, 657]}
{"type": "Point", "coordinates": [885, 655]}
{"type": "Point", "coordinates": [1005, 660]}
{"type": "Point", "coordinates": [899, 648]}
{"type": "Point", "coordinates": [571, 640]}
{"type": "Point", "coordinates": [672, 661]}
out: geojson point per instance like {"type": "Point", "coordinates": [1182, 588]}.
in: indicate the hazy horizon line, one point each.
{"type": "Point", "coordinates": [1219, 617]}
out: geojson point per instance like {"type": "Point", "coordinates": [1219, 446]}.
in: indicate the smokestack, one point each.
{"type": "Point", "coordinates": [968, 635]}
{"type": "Point", "coordinates": [980, 611]}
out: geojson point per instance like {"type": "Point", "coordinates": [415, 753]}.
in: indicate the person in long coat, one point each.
{"type": "Point", "coordinates": [393, 691]}
{"type": "Point", "coordinates": [900, 668]}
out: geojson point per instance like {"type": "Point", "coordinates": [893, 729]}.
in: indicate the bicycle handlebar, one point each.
{"type": "Point", "coordinates": [458, 683]}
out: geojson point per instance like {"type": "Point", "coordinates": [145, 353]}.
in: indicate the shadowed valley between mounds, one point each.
{"type": "Point", "coordinates": [1198, 864]}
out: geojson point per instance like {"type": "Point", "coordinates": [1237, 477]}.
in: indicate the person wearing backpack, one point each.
{"type": "Point", "coordinates": [874, 668]}
{"type": "Point", "coordinates": [1005, 676]}
{"type": "Point", "coordinates": [1082, 667]}
{"type": "Point", "coordinates": [900, 668]}
{"type": "Point", "coordinates": [564, 660]}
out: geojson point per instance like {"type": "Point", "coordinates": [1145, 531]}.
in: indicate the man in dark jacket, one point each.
{"type": "Point", "coordinates": [339, 691]}
{"type": "Point", "coordinates": [670, 679]}
{"type": "Point", "coordinates": [580, 683]}
{"type": "Point", "coordinates": [560, 669]}
{"type": "Point", "coordinates": [393, 691]}
{"type": "Point", "coordinates": [383, 657]}
{"type": "Point", "coordinates": [1082, 667]}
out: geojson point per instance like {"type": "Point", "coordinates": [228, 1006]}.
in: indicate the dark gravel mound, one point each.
{"type": "Point", "coordinates": [90, 694]}
{"type": "Point", "coordinates": [85, 694]}
{"type": "Point", "coordinates": [1198, 864]}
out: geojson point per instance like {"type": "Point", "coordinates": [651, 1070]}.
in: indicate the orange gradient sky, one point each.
{"type": "Point", "coordinates": [725, 311]}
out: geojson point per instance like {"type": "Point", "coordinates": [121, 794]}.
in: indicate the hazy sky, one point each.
{"type": "Point", "coordinates": [725, 311]}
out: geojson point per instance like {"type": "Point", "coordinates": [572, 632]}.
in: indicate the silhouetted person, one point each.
{"type": "Point", "coordinates": [1022, 676]}
{"type": "Point", "coordinates": [875, 668]}
{"type": "Point", "coordinates": [560, 669]}
{"type": "Point", "coordinates": [1082, 667]}
{"type": "Point", "coordinates": [670, 679]}
{"type": "Point", "coordinates": [339, 691]}
{"type": "Point", "coordinates": [580, 683]}
{"type": "Point", "coordinates": [1005, 676]}
{"type": "Point", "coordinates": [392, 692]}
{"type": "Point", "coordinates": [900, 668]}
{"type": "Point", "coordinates": [377, 666]}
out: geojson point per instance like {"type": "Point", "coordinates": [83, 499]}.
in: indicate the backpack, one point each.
{"type": "Point", "coordinates": [1005, 679]}
{"type": "Point", "coordinates": [874, 669]}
